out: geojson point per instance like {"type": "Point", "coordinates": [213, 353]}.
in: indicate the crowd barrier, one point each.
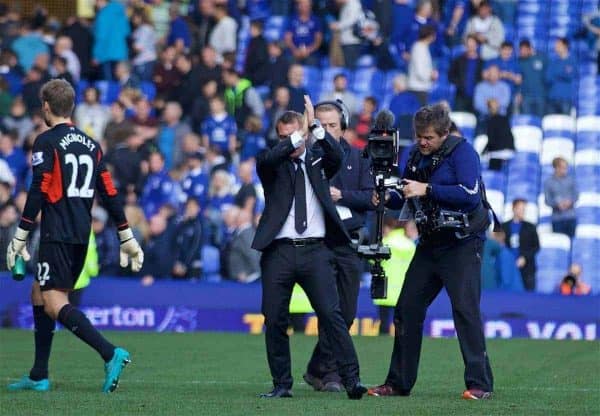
{"type": "Point", "coordinates": [167, 305]}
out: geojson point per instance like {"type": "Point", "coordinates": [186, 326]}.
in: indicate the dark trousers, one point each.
{"type": "Point", "coordinates": [458, 269]}
{"type": "Point", "coordinates": [311, 266]}
{"type": "Point", "coordinates": [348, 268]}
{"type": "Point", "coordinates": [565, 227]}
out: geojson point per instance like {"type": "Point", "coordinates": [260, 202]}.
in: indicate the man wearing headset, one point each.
{"type": "Point", "coordinates": [351, 190]}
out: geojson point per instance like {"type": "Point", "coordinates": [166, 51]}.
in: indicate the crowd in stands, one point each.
{"type": "Point", "coordinates": [183, 95]}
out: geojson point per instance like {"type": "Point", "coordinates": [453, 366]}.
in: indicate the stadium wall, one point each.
{"type": "Point", "coordinates": [123, 304]}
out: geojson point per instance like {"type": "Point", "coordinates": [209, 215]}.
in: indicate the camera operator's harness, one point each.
{"type": "Point", "coordinates": [443, 223]}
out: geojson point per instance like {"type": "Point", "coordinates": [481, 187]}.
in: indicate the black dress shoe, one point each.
{"type": "Point", "coordinates": [313, 381]}
{"type": "Point", "coordinates": [277, 393]}
{"type": "Point", "coordinates": [356, 391]}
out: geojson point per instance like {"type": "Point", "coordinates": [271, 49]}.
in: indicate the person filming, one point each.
{"type": "Point", "coordinates": [442, 190]}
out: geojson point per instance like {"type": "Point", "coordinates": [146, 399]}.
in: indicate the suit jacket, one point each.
{"type": "Point", "coordinates": [458, 71]}
{"type": "Point", "coordinates": [529, 244]}
{"type": "Point", "coordinates": [276, 173]}
{"type": "Point", "coordinates": [355, 181]}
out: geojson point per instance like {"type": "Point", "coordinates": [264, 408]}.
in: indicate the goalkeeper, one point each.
{"type": "Point", "coordinates": [68, 170]}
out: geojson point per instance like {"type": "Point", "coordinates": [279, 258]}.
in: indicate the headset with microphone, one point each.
{"type": "Point", "coordinates": [341, 107]}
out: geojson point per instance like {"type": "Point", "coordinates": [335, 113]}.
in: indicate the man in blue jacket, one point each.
{"type": "Point", "coordinates": [441, 185]}
{"type": "Point", "coordinates": [351, 189]}
{"type": "Point", "coordinates": [111, 30]}
{"type": "Point", "coordinates": [560, 77]}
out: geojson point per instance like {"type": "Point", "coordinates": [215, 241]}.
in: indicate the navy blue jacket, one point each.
{"type": "Point", "coordinates": [356, 182]}
{"type": "Point", "coordinates": [455, 183]}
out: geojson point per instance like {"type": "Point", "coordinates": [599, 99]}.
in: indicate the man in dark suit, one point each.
{"type": "Point", "coordinates": [351, 189]}
{"type": "Point", "coordinates": [522, 239]}
{"type": "Point", "coordinates": [465, 72]}
{"type": "Point", "coordinates": [298, 227]}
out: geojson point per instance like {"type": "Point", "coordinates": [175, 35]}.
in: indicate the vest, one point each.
{"type": "Point", "coordinates": [235, 103]}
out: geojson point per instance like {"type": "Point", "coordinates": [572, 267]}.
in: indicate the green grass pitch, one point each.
{"type": "Point", "coordinates": [221, 374]}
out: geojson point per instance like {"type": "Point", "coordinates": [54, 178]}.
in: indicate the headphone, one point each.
{"type": "Point", "coordinates": [341, 107]}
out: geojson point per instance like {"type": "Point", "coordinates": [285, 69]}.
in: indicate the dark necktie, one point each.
{"type": "Point", "coordinates": [300, 198]}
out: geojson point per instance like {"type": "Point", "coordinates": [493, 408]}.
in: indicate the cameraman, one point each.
{"type": "Point", "coordinates": [442, 175]}
{"type": "Point", "coordinates": [351, 189]}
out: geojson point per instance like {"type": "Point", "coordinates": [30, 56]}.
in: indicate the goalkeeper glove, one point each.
{"type": "Point", "coordinates": [17, 247]}
{"type": "Point", "coordinates": [130, 249]}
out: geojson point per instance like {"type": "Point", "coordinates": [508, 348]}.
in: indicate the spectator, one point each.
{"type": "Point", "coordinates": [201, 106]}
{"type": "Point", "coordinates": [14, 157]}
{"type": "Point", "coordinates": [143, 43]}
{"type": "Point", "coordinates": [126, 160]}
{"type": "Point", "coordinates": [188, 243]}
{"type": "Point", "coordinates": [501, 143]}
{"type": "Point", "coordinates": [487, 29]}
{"type": "Point", "coordinates": [137, 221]}
{"type": "Point", "coordinates": [160, 17]}
{"type": "Point", "coordinates": [32, 84]}
{"type": "Point", "coordinates": [223, 37]}
{"type": "Point", "coordinates": [9, 218]}
{"type": "Point", "coordinates": [560, 192]}
{"type": "Point", "coordinates": [179, 33]}
{"type": "Point", "coordinates": [12, 71]}
{"type": "Point", "coordinates": [143, 119]}
{"type": "Point", "coordinates": [403, 103]}
{"type": "Point", "coordinates": [506, 11]}
{"type": "Point", "coordinates": [341, 92]}
{"type": "Point", "coordinates": [508, 66]}
{"type": "Point", "coordinates": [189, 83]}
{"type": "Point", "coordinates": [209, 69]}
{"type": "Point", "coordinates": [29, 45]}
{"type": "Point", "coordinates": [159, 189]}
{"type": "Point", "coordinates": [279, 106]}
{"type": "Point", "coordinates": [91, 116]}
{"type": "Point", "coordinates": [171, 133]}
{"type": "Point", "coordinates": [573, 284]}
{"type": "Point", "coordinates": [241, 98]}
{"type": "Point", "coordinates": [411, 33]}
{"type": "Point", "coordinates": [243, 260]}
{"type": "Point", "coordinates": [560, 77]}
{"type": "Point", "coordinates": [253, 138]}
{"type": "Point", "coordinates": [111, 30]}
{"type": "Point", "coordinates": [63, 47]}
{"type": "Point", "coordinates": [220, 198]}
{"type": "Point", "coordinates": [363, 121]}
{"type": "Point", "coordinates": [304, 34]}
{"type": "Point", "coordinates": [203, 22]}
{"type": "Point", "coordinates": [165, 75]}
{"type": "Point", "coordinates": [245, 198]}
{"type": "Point", "coordinates": [350, 13]}
{"type": "Point", "coordinates": [18, 120]}
{"type": "Point", "coordinates": [107, 243]}
{"type": "Point", "coordinates": [296, 88]}
{"type": "Point", "coordinates": [195, 182]}
{"type": "Point", "coordinates": [532, 68]}
{"type": "Point", "coordinates": [421, 73]}
{"type": "Point", "coordinates": [5, 98]}
{"type": "Point", "coordinates": [522, 238]}
{"type": "Point", "coordinates": [491, 88]}
{"type": "Point", "coordinates": [219, 129]}
{"type": "Point", "coordinates": [498, 268]}
{"type": "Point", "coordinates": [592, 24]}
{"type": "Point", "coordinates": [278, 67]}
{"type": "Point", "coordinates": [456, 14]}
{"type": "Point", "coordinates": [465, 72]}
{"type": "Point", "coordinates": [159, 255]}
{"type": "Point", "coordinates": [78, 31]}
{"type": "Point", "coordinates": [7, 182]}
{"type": "Point", "coordinates": [118, 127]}
{"type": "Point", "coordinates": [257, 57]}
{"type": "Point", "coordinates": [59, 70]}
{"type": "Point", "coordinates": [124, 77]}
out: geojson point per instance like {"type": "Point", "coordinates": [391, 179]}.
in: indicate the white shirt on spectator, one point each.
{"type": "Point", "coordinates": [420, 68]}
{"type": "Point", "coordinates": [350, 13]}
{"type": "Point", "coordinates": [73, 65]}
{"type": "Point", "coordinates": [144, 40]}
{"type": "Point", "coordinates": [223, 37]}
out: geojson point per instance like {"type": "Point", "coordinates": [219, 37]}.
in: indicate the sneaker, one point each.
{"type": "Point", "coordinates": [315, 382]}
{"type": "Point", "coordinates": [113, 369]}
{"type": "Point", "coordinates": [476, 394]}
{"type": "Point", "coordinates": [385, 390]}
{"type": "Point", "coordinates": [28, 384]}
{"type": "Point", "coordinates": [332, 387]}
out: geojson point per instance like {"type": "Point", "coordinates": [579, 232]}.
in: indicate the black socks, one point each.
{"type": "Point", "coordinates": [44, 332]}
{"type": "Point", "coordinates": [76, 322]}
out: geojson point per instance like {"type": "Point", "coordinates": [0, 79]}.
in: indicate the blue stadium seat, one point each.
{"type": "Point", "coordinates": [327, 75]}
{"type": "Point", "coordinates": [109, 91]}
{"type": "Point", "coordinates": [312, 82]}
{"type": "Point", "coordinates": [526, 120]}
{"type": "Point", "coordinates": [275, 28]}
{"type": "Point", "coordinates": [587, 178]}
{"type": "Point", "coordinates": [588, 133]}
{"type": "Point", "coordinates": [588, 215]}
{"type": "Point", "coordinates": [443, 91]}
{"type": "Point", "coordinates": [584, 252]}
{"type": "Point", "coordinates": [552, 261]}
{"type": "Point", "coordinates": [494, 180]}
{"type": "Point", "coordinates": [368, 81]}
{"type": "Point", "coordinates": [79, 90]}
{"type": "Point", "coordinates": [558, 125]}
{"type": "Point", "coordinates": [211, 263]}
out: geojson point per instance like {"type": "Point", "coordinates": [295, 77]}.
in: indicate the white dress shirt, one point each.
{"type": "Point", "coordinates": [314, 213]}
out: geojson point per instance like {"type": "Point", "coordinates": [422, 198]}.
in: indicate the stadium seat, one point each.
{"type": "Point", "coordinates": [496, 200]}
{"type": "Point", "coordinates": [312, 82]}
{"type": "Point", "coordinates": [494, 180]}
{"type": "Point", "coordinates": [588, 208]}
{"type": "Point", "coordinates": [587, 178]}
{"type": "Point", "coordinates": [275, 28]}
{"type": "Point", "coordinates": [79, 90]}
{"type": "Point", "coordinates": [466, 123]}
{"type": "Point", "coordinates": [480, 143]}
{"type": "Point", "coordinates": [584, 252]}
{"type": "Point", "coordinates": [526, 120]}
{"type": "Point", "coordinates": [590, 157]}
{"type": "Point", "coordinates": [552, 261]}
{"type": "Point", "coordinates": [527, 139]}
{"type": "Point", "coordinates": [555, 147]}
{"type": "Point", "coordinates": [544, 211]}
{"type": "Point", "coordinates": [588, 132]}
{"type": "Point", "coordinates": [368, 81]}
{"type": "Point", "coordinates": [109, 91]}
{"type": "Point", "coordinates": [558, 125]}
